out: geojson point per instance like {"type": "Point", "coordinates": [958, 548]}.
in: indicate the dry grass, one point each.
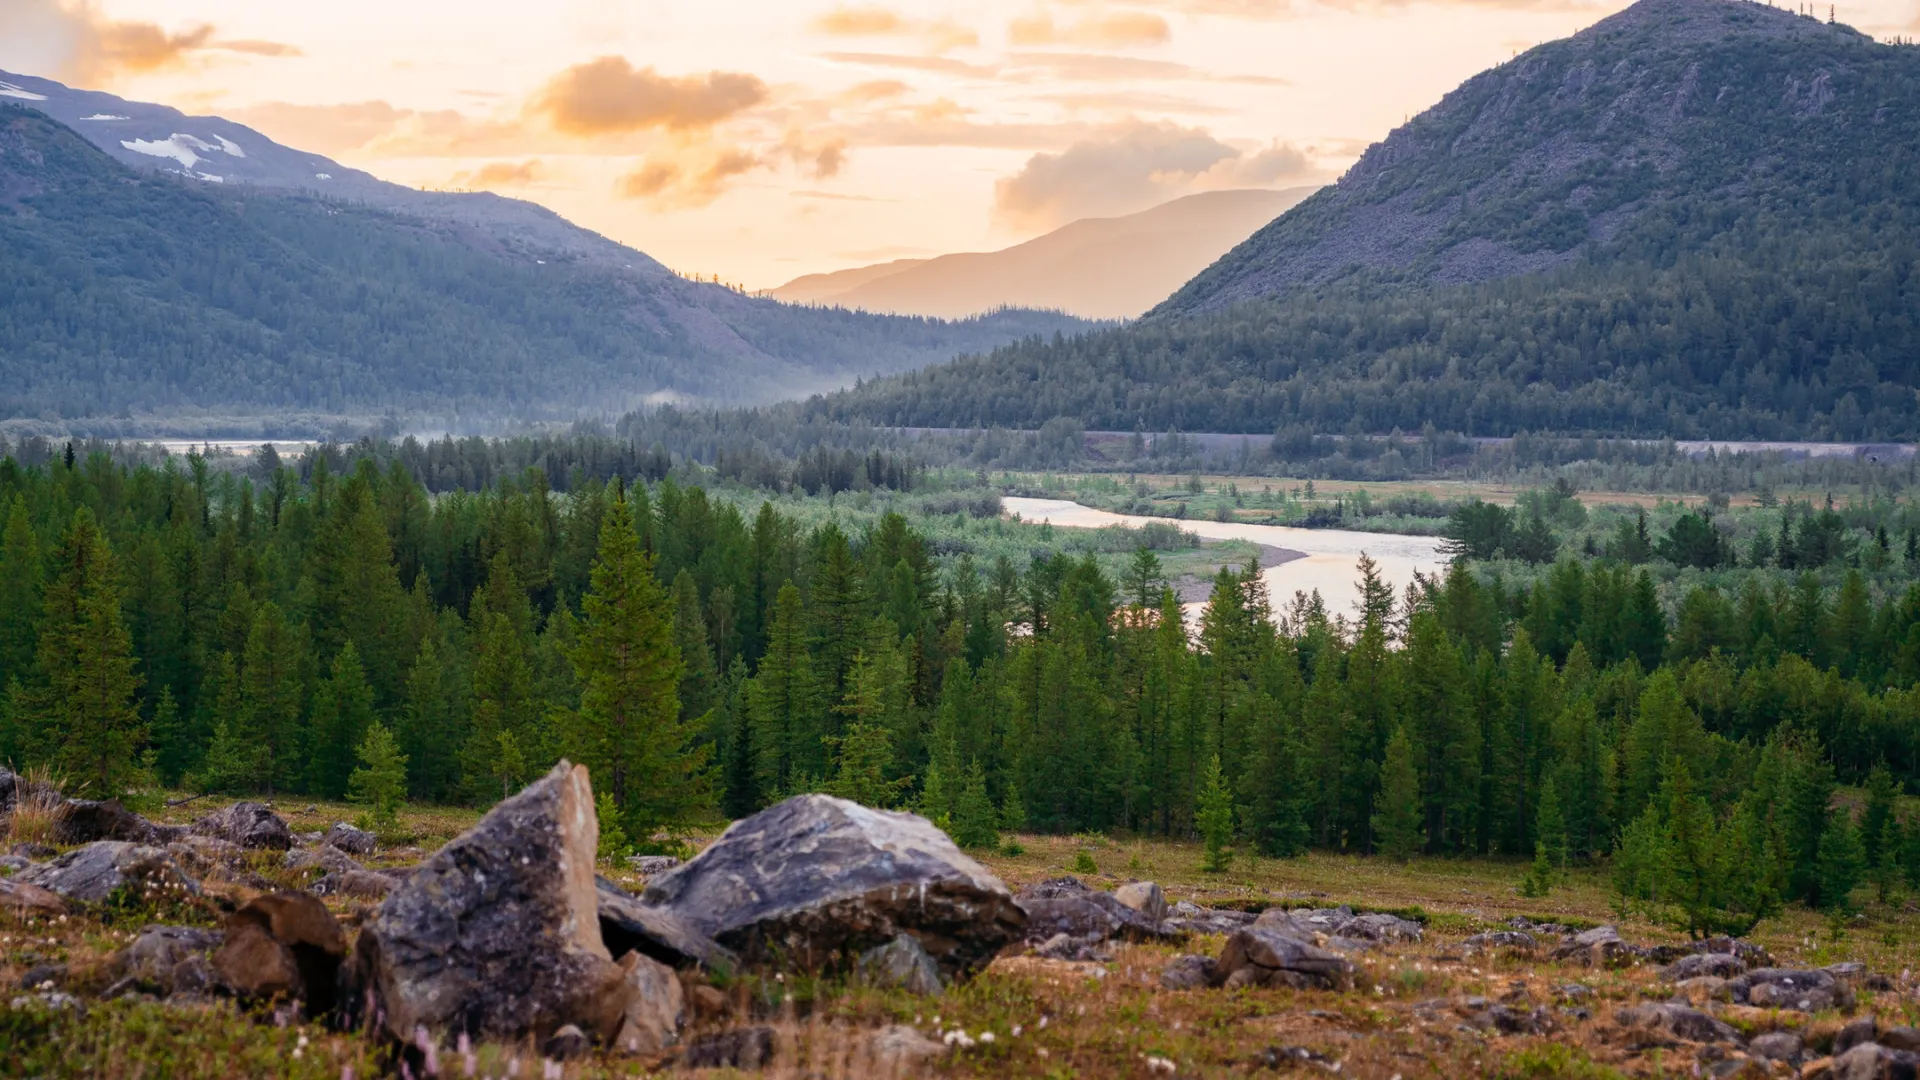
{"type": "Point", "coordinates": [1046, 1019]}
{"type": "Point", "coordinates": [36, 806]}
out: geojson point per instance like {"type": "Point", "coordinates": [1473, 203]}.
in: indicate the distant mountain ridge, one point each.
{"type": "Point", "coordinates": [1696, 219]}
{"type": "Point", "coordinates": [1096, 268]}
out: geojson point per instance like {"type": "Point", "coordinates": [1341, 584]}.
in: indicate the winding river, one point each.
{"type": "Point", "coordinates": [1328, 558]}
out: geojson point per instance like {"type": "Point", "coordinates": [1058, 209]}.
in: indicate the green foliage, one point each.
{"type": "Point", "coordinates": [1705, 874]}
{"type": "Point", "coordinates": [1396, 815]}
{"type": "Point", "coordinates": [1841, 864]}
{"type": "Point", "coordinates": [379, 780]}
{"type": "Point", "coordinates": [614, 845]}
{"type": "Point", "coordinates": [975, 821]}
{"type": "Point", "coordinates": [1214, 815]}
{"type": "Point", "coordinates": [1083, 863]}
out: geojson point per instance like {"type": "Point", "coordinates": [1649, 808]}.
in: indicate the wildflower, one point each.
{"type": "Point", "coordinates": [986, 1036]}
{"type": "Point", "coordinates": [1159, 1065]}
{"type": "Point", "coordinates": [1016, 1031]}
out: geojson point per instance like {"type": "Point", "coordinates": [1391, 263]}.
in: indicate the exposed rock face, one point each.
{"type": "Point", "coordinates": [1144, 897]}
{"type": "Point", "coordinates": [348, 839]}
{"type": "Point", "coordinates": [83, 821]}
{"type": "Point", "coordinates": [901, 963]}
{"type": "Point", "coordinates": [283, 946]}
{"type": "Point", "coordinates": [817, 880]}
{"type": "Point", "coordinates": [92, 873]}
{"type": "Point", "coordinates": [1066, 906]}
{"type": "Point", "coordinates": [248, 824]}
{"type": "Point", "coordinates": [166, 960]}
{"type": "Point", "coordinates": [1262, 956]}
{"type": "Point", "coordinates": [497, 934]}
{"type": "Point", "coordinates": [656, 1007]}
{"type": "Point", "coordinates": [626, 925]}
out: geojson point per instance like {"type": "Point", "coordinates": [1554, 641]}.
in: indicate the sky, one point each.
{"type": "Point", "coordinates": [758, 140]}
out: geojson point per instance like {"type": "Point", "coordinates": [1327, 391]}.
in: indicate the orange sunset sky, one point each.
{"type": "Point", "coordinates": [762, 139]}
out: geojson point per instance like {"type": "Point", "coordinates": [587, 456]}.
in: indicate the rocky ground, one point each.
{"type": "Point", "coordinates": [822, 939]}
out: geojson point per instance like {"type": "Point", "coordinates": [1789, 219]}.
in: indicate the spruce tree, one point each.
{"type": "Point", "coordinates": [699, 680]}
{"type": "Point", "coordinates": [1880, 833]}
{"type": "Point", "coordinates": [86, 657]}
{"type": "Point", "coordinates": [272, 689]}
{"type": "Point", "coordinates": [342, 714]}
{"type": "Point", "coordinates": [628, 728]}
{"type": "Point", "coordinates": [1397, 814]}
{"type": "Point", "coordinates": [787, 721]}
{"type": "Point", "coordinates": [379, 777]}
{"type": "Point", "coordinates": [975, 823]}
{"type": "Point", "coordinates": [1841, 864]}
{"type": "Point", "coordinates": [20, 604]}
{"type": "Point", "coordinates": [427, 730]}
{"type": "Point", "coordinates": [1214, 816]}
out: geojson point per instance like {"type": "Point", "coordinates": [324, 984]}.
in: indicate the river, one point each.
{"type": "Point", "coordinates": [1329, 558]}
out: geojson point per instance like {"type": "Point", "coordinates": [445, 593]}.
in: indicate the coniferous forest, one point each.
{"type": "Point", "coordinates": [286, 630]}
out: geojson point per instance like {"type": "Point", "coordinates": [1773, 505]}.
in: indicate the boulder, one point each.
{"type": "Point", "coordinates": [1144, 897]}
{"type": "Point", "coordinates": [1900, 1038]}
{"type": "Point", "coordinates": [84, 821]}
{"type": "Point", "coordinates": [1666, 1021]}
{"type": "Point", "coordinates": [21, 898]}
{"type": "Point", "coordinates": [900, 964]}
{"type": "Point", "coordinates": [656, 1007]}
{"type": "Point", "coordinates": [628, 925]}
{"type": "Point", "coordinates": [1190, 973]}
{"type": "Point", "coordinates": [816, 880]}
{"type": "Point", "coordinates": [1599, 947]}
{"type": "Point", "coordinates": [1863, 1029]}
{"type": "Point", "coordinates": [746, 1049]}
{"type": "Point", "coordinates": [359, 884]}
{"type": "Point", "coordinates": [248, 824]}
{"type": "Point", "coordinates": [1186, 918]}
{"type": "Point", "coordinates": [1511, 940]}
{"type": "Point", "coordinates": [202, 855]}
{"type": "Point", "coordinates": [165, 960]}
{"type": "Point", "coordinates": [1777, 1046]}
{"type": "Point", "coordinates": [568, 1043]}
{"type": "Point", "coordinates": [325, 857]}
{"type": "Point", "coordinates": [92, 873]}
{"type": "Point", "coordinates": [897, 1050]}
{"type": "Point", "coordinates": [1065, 906]}
{"type": "Point", "coordinates": [1263, 956]}
{"type": "Point", "coordinates": [497, 934]}
{"type": "Point", "coordinates": [283, 946]}
{"type": "Point", "coordinates": [1871, 1061]}
{"type": "Point", "coordinates": [1081, 950]}
{"type": "Point", "coordinates": [1791, 988]}
{"type": "Point", "coordinates": [1376, 927]}
{"type": "Point", "coordinates": [346, 838]}
{"type": "Point", "coordinates": [1718, 965]}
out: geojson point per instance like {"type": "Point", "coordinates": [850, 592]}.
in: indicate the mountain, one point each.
{"type": "Point", "coordinates": [138, 301]}
{"type": "Point", "coordinates": [1096, 268]}
{"type": "Point", "coordinates": [1695, 218]}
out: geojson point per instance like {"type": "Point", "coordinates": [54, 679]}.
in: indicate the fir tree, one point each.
{"type": "Point", "coordinates": [379, 779]}
{"type": "Point", "coordinates": [86, 657]}
{"type": "Point", "coordinates": [1214, 816]}
{"type": "Point", "coordinates": [20, 604]}
{"type": "Point", "coordinates": [628, 728]}
{"type": "Point", "coordinates": [974, 816]}
{"type": "Point", "coordinates": [342, 715]}
{"type": "Point", "coordinates": [1840, 865]}
{"type": "Point", "coordinates": [699, 681]}
{"type": "Point", "coordinates": [1396, 814]}
{"type": "Point", "coordinates": [272, 689]}
{"type": "Point", "coordinates": [787, 724]}
{"type": "Point", "coordinates": [427, 730]}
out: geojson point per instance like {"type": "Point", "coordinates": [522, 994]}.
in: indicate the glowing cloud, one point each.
{"type": "Point", "coordinates": [610, 96]}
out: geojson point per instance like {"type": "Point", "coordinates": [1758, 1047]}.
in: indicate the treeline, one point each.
{"type": "Point", "coordinates": [185, 626]}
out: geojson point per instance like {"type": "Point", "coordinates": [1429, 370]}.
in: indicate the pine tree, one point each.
{"type": "Point", "coordinates": [699, 680]}
{"type": "Point", "coordinates": [1397, 814]}
{"type": "Point", "coordinates": [342, 715]}
{"type": "Point", "coordinates": [175, 749]}
{"type": "Point", "coordinates": [86, 657]}
{"type": "Point", "coordinates": [1841, 864]}
{"type": "Point", "coordinates": [628, 728]}
{"type": "Point", "coordinates": [272, 688]}
{"type": "Point", "coordinates": [379, 780]}
{"type": "Point", "coordinates": [427, 730]}
{"type": "Point", "coordinates": [1880, 833]}
{"type": "Point", "coordinates": [1214, 815]}
{"type": "Point", "coordinates": [974, 816]}
{"type": "Point", "coordinates": [787, 721]}
{"type": "Point", "coordinates": [20, 604]}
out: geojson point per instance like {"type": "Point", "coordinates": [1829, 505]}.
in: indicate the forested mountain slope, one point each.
{"type": "Point", "coordinates": [1697, 218]}
{"type": "Point", "coordinates": [127, 294]}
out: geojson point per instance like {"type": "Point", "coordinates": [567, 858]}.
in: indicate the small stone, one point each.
{"type": "Point", "coordinates": [1513, 940]}
{"type": "Point", "coordinates": [1190, 973]}
{"type": "Point", "coordinates": [901, 964]}
{"type": "Point", "coordinates": [1777, 1046]}
{"type": "Point", "coordinates": [347, 838]}
{"type": "Point", "coordinates": [1860, 1030]}
{"type": "Point", "coordinates": [23, 898]}
{"type": "Point", "coordinates": [1144, 897]}
{"type": "Point", "coordinates": [361, 884]}
{"type": "Point", "coordinates": [566, 1044]}
{"type": "Point", "coordinates": [708, 1002]}
{"type": "Point", "coordinates": [656, 1007]}
{"type": "Point", "coordinates": [897, 1049]}
{"type": "Point", "coordinates": [741, 1048]}
{"type": "Point", "coordinates": [325, 857]}
{"type": "Point", "coordinates": [1900, 1038]}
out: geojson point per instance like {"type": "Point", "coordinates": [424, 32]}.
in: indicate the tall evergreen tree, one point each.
{"type": "Point", "coordinates": [270, 728]}
{"type": "Point", "coordinates": [1397, 816]}
{"type": "Point", "coordinates": [342, 713]}
{"type": "Point", "coordinates": [86, 658]}
{"type": "Point", "coordinates": [20, 604]}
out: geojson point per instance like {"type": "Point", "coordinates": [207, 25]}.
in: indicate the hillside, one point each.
{"type": "Point", "coordinates": [1096, 268]}
{"type": "Point", "coordinates": [1697, 218]}
{"type": "Point", "coordinates": [128, 299]}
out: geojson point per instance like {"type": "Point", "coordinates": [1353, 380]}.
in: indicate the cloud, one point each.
{"type": "Point", "coordinates": [875, 90]}
{"type": "Point", "coordinates": [938, 64]}
{"type": "Point", "coordinates": [938, 35]}
{"type": "Point", "coordinates": [818, 155]}
{"type": "Point", "coordinates": [73, 41]}
{"type": "Point", "coordinates": [1132, 166]}
{"type": "Point", "coordinates": [502, 174]}
{"type": "Point", "coordinates": [1127, 102]}
{"type": "Point", "coordinates": [610, 96]}
{"type": "Point", "coordinates": [323, 129]}
{"type": "Point", "coordinates": [692, 178]}
{"type": "Point", "coordinates": [1113, 29]}
{"type": "Point", "coordinates": [1101, 67]}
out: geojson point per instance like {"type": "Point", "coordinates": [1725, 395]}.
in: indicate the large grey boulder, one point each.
{"type": "Point", "coordinates": [1144, 897]}
{"type": "Point", "coordinates": [1066, 906]}
{"type": "Point", "coordinates": [1791, 988]}
{"type": "Point", "coordinates": [92, 873]}
{"type": "Point", "coordinates": [497, 934]}
{"type": "Point", "coordinates": [815, 881]}
{"type": "Point", "coordinates": [83, 821]}
{"type": "Point", "coordinates": [1264, 956]}
{"type": "Point", "coordinates": [628, 925]}
{"type": "Point", "coordinates": [165, 960]}
{"type": "Point", "coordinates": [1665, 1020]}
{"type": "Point", "coordinates": [248, 824]}
{"type": "Point", "coordinates": [1719, 965]}
{"type": "Point", "coordinates": [285, 947]}
{"type": "Point", "coordinates": [347, 838]}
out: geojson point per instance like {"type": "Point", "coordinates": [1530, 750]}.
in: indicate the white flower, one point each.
{"type": "Point", "coordinates": [986, 1036]}
{"type": "Point", "coordinates": [1160, 1065]}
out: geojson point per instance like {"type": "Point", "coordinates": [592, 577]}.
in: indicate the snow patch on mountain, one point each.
{"type": "Point", "coordinates": [7, 89]}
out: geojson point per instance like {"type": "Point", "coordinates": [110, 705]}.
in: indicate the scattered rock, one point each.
{"type": "Point", "coordinates": [361, 884]}
{"type": "Point", "coordinates": [24, 898]}
{"type": "Point", "coordinates": [1574, 991]}
{"type": "Point", "coordinates": [1790, 988]}
{"type": "Point", "coordinates": [1703, 988]}
{"type": "Point", "coordinates": [902, 964]}
{"type": "Point", "coordinates": [325, 857]}
{"type": "Point", "coordinates": [1261, 956]}
{"type": "Point", "coordinates": [1081, 950]}
{"type": "Point", "coordinates": [708, 1002]}
{"type": "Point", "coordinates": [1777, 1046]}
{"type": "Point", "coordinates": [84, 821]}
{"type": "Point", "coordinates": [1505, 1019]}
{"type": "Point", "coordinates": [497, 934]}
{"type": "Point", "coordinates": [1871, 1061]}
{"type": "Point", "coordinates": [1864, 1029]}
{"type": "Point", "coordinates": [1286, 1057]}
{"type": "Point", "coordinates": [202, 855]}
{"type": "Point", "coordinates": [1669, 1021]}
{"type": "Point", "coordinates": [248, 824]}
{"type": "Point", "coordinates": [741, 1048]}
{"type": "Point", "coordinates": [32, 852]}
{"type": "Point", "coordinates": [1719, 965]}
{"type": "Point", "coordinates": [1511, 940]}
{"type": "Point", "coordinates": [1900, 1038]}
{"type": "Point", "coordinates": [92, 873]}
{"type": "Point", "coordinates": [1601, 946]}
{"type": "Point", "coordinates": [817, 880]}
{"type": "Point", "coordinates": [656, 1007]}
{"type": "Point", "coordinates": [1190, 973]}
{"type": "Point", "coordinates": [897, 1049]}
{"type": "Point", "coordinates": [566, 1044]}
{"type": "Point", "coordinates": [1065, 905]}
{"type": "Point", "coordinates": [627, 924]}
{"type": "Point", "coordinates": [1186, 918]}
{"type": "Point", "coordinates": [44, 977]}
{"type": "Point", "coordinates": [283, 946]}
{"type": "Point", "coordinates": [1144, 897]}
{"type": "Point", "coordinates": [165, 960]}
{"type": "Point", "coordinates": [652, 865]}
{"type": "Point", "coordinates": [349, 839]}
